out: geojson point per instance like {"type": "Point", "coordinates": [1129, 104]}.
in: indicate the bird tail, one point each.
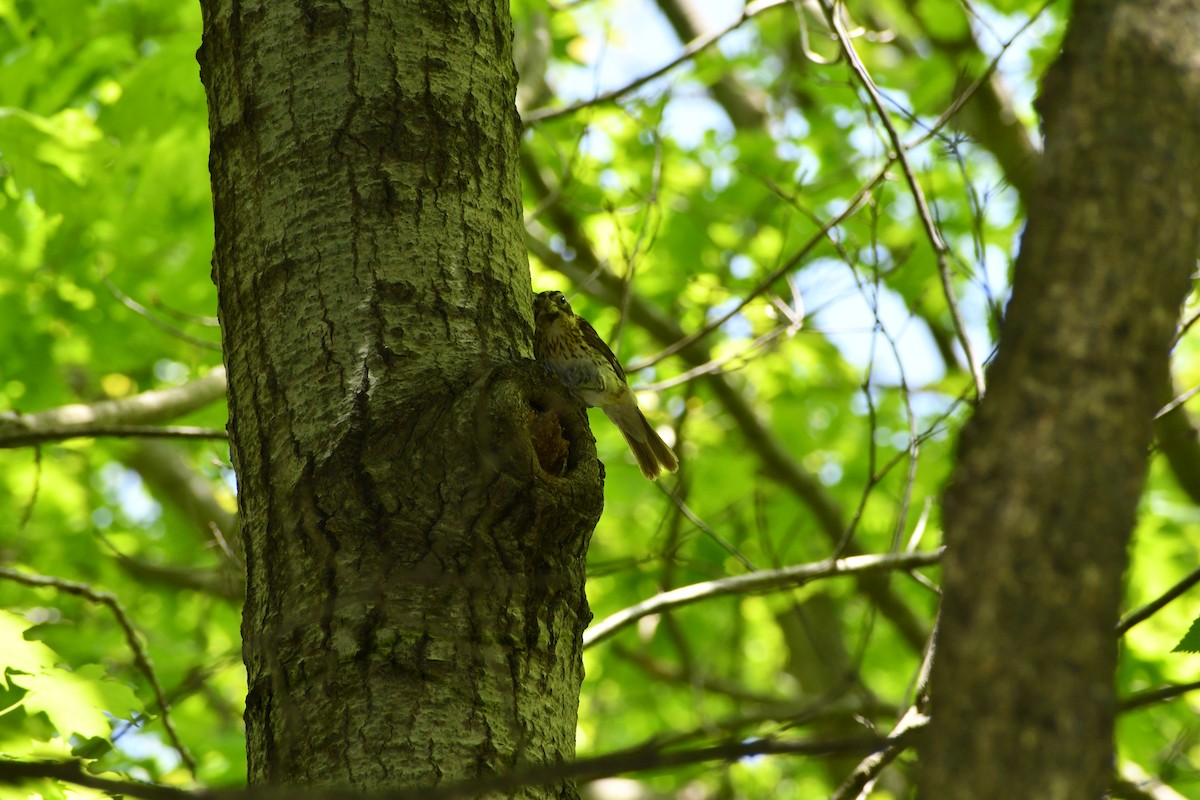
{"type": "Point", "coordinates": [651, 452]}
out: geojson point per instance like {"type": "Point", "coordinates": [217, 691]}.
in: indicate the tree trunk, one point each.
{"type": "Point", "coordinates": [415, 579]}
{"type": "Point", "coordinates": [1050, 469]}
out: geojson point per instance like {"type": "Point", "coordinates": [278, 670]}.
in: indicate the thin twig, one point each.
{"type": "Point", "coordinates": [1150, 609]}
{"type": "Point", "coordinates": [17, 772]}
{"type": "Point", "coordinates": [816, 239]}
{"type": "Point", "coordinates": [857, 783]}
{"type": "Point", "coordinates": [140, 658]}
{"type": "Point", "coordinates": [638, 759]}
{"type": "Point", "coordinates": [1142, 699]}
{"type": "Point", "coordinates": [668, 672]}
{"type": "Point", "coordinates": [942, 120]}
{"type": "Point", "coordinates": [872, 452]}
{"type": "Point", "coordinates": [765, 580]}
{"type": "Point", "coordinates": [116, 431]}
{"type": "Point", "coordinates": [718, 364]}
{"type": "Point", "coordinates": [1184, 328]}
{"type": "Point", "coordinates": [706, 529]}
{"type": "Point", "coordinates": [692, 48]}
{"type": "Point", "coordinates": [643, 242]}
{"type": "Point", "coordinates": [1135, 784]}
{"type": "Point", "coordinates": [142, 311]}
{"type": "Point", "coordinates": [976, 84]}
{"type": "Point", "coordinates": [935, 238]}
{"type": "Point", "coordinates": [27, 511]}
{"type": "Point", "coordinates": [1177, 402]}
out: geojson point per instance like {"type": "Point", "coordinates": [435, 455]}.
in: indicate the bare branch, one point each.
{"type": "Point", "coordinates": [935, 237]}
{"type": "Point", "coordinates": [637, 759]}
{"type": "Point", "coordinates": [220, 583]}
{"type": "Point", "coordinates": [858, 782]}
{"type": "Point", "coordinates": [140, 658]}
{"type": "Point", "coordinates": [169, 474]}
{"type": "Point", "coordinates": [128, 416]}
{"type": "Point", "coordinates": [744, 109]}
{"type": "Point", "coordinates": [693, 47]}
{"type": "Point", "coordinates": [667, 672]}
{"type": "Point", "coordinates": [707, 529]}
{"type": "Point", "coordinates": [1178, 439]}
{"type": "Point", "coordinates": [141, 310]}
{"type": "Point", "coordinates": [1150, 609]}
{"type": "Point", "coordinates": [586, 271]}
{"type": "Point", "coordinates": [113, 432]}
{"type": "Point", "coordinates": [763, 581]}
{"type": "Point", "coordinates": [1142, 699]}
{"type": "Point", "coordinates": [990, 120]}
{"type": "Point", "coordinates": [16, 772]}
{"type": "Point", "coordinates": [783, 269]}
{"type": "Point", "coordinates": [1135, 784]}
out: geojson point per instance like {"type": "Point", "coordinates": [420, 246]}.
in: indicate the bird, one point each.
{"type": "Point", "coordinates": [570, 349]}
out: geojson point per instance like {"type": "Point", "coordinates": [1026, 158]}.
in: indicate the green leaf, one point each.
{"type": "Point", "coordinates": [20, 654]}
{"type": "Point", "coordinates": [76, 701]}
{"type": "Point", "coordinates": [1190, 643]}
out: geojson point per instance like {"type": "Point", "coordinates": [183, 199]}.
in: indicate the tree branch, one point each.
{"type": "Point", "coordinates": [1179, 441]}
{"type": "Point", "coordinates": [693, 47]}
{"type": "Point", "coordinates": [128, 416]}
{"type": "Point", "coordinates": [731, 94]}
{"type": "Point", "coordinates": [586, 271]}
{"type": "Point", "coordinates": [140, 658]}
{"type": "Point", "coordinates": [985, 111]}
{"type": "Point", "coordinates": [762, 581]}
{"type": "Point", "coordinates": [637, 759]}
{"type": "Point", "coordinates": [935, 237]}
{"type": "Point", "coordinates": [1135, 784]}
{"type": "Point", "coordinates": [869, 769]}
{"type": "Point", "coordinates": [1150, 609]}
{"type": "Point", "coordinates": [17, 772]}
{"type": "Point", "coordinates": [166, 471]}
{"type": "Point", "coordinates": [672, 674]}
{"type": "Point", "coordinates": [986, 114]}
{"type": "Point", "coordinates": [1142, 699]}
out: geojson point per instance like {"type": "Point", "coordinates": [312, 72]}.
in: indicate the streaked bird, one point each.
{"type": "Point", "coordinates": [570, 348]}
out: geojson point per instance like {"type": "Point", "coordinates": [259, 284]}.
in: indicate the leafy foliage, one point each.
{"type": "Point", "coordinates": [827, 403]}
{"type": "Point", "coordinates": [105, 196]}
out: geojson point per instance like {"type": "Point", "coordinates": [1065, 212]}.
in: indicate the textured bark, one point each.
{"type": "Point", "coordinates": [1044, 497]}
{"type": "Point", "coordinates": [415, 580]}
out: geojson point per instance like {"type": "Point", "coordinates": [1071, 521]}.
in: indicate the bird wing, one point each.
{"type": "Point", "coordinates": [593, 339]}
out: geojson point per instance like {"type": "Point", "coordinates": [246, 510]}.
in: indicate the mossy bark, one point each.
{"type": "Point", "coordinates": [415, 579]}
{"type": "Point", "coordinates": [1044, 497]}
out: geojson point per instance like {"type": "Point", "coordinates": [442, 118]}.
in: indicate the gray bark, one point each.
{"type": "Point", "coordinates": [415, 580]}
{"type": "Point", "coordinates": [1043, 499]}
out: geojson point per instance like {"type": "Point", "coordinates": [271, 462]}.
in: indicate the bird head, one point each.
{"type": "Point", "coordinates": [548, 307]}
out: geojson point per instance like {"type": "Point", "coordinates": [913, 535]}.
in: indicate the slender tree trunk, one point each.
{"type": "Point", "coordinates": [415, 578]}
{"type": "Point", "coordinates": [1050, 469]}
